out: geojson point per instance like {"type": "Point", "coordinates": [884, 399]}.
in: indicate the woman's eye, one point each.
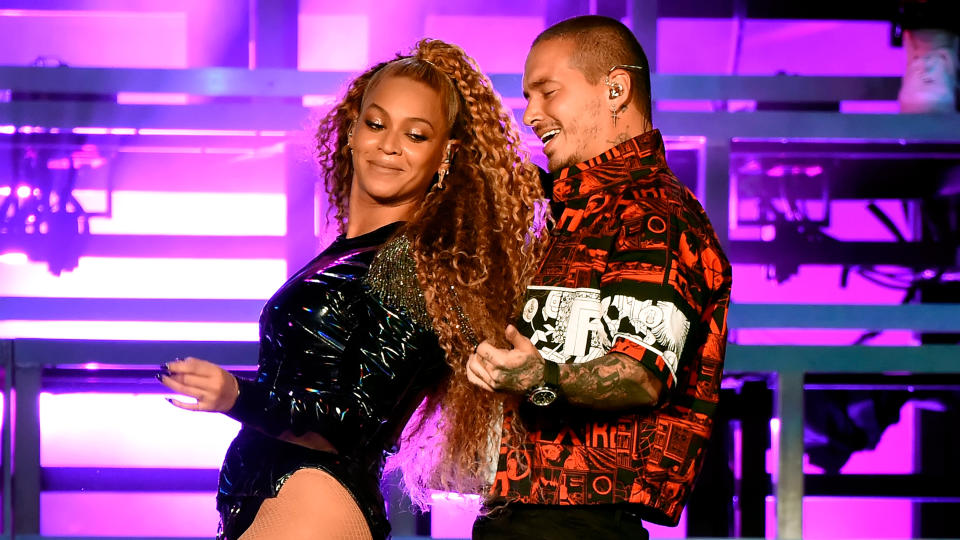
{"type": "Point", "coordinates": [416, 137]}
{"type": "Point", "coordinates": [374, 125]}
{"type": "Point", "coordinates": [549, 93]}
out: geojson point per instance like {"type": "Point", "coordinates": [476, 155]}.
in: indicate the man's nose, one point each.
{"type": "Point", "coordinates": [531, 115]}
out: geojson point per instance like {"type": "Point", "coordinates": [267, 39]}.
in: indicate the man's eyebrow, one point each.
{"type": "Point", "coordinates": [535, 85]}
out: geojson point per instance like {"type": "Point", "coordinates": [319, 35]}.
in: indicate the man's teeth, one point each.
{"type": "Point", "coordinates": [545, 138]}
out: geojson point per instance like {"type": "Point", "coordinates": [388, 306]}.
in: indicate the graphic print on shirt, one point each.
{"type": "Point", "coordinates": [579, 325]}
{"type": "Point", "coordinates": [633, 267]}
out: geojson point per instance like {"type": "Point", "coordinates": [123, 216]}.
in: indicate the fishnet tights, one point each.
{"type": "Point", "coordinates": [311, 505]}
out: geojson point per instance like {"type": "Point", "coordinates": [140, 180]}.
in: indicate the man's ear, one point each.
{"type": "Point", "coordinates": [619, 87]}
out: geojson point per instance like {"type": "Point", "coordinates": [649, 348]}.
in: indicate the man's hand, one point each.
{"type": "Point", "coordinates": [513, 370]}
{"type": "Point", "coordinates": [214, 388]}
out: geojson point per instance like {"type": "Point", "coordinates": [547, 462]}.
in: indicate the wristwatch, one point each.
{"type": "Point", "coordinates": [547, 392]}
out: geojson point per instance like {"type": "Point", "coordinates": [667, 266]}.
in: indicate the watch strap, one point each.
{"type": "Point", "coordinates": [551, 374]}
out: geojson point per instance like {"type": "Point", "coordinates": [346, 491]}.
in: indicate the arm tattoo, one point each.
{"type": "Point", "coordinates": [611, 382]}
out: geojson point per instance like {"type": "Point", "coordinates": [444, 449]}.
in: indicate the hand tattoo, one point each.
{"type": "Point", "coordinates": [525, 377]}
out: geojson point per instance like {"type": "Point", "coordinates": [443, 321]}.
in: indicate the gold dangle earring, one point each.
{"type": "Point", "coordinates": [444, 170]}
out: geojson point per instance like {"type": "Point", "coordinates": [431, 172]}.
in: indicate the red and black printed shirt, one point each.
{"type": "Point", "coordinates": [633, 267]}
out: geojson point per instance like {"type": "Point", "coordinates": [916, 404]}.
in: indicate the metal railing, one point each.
{"type": "Point", "coordinates": [24, 358]}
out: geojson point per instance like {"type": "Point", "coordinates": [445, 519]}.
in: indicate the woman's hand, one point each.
{"type": "Point", "coordinates": [214, 388]}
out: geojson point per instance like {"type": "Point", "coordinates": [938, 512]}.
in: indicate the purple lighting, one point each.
{"type": "Point", "coordinates": [80, 430]}
{"type": "Point", "coordinates": [187, 189]}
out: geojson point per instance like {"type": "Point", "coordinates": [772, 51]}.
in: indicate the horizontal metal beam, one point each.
{"type": "Point", "coordinates": [165, 246]}
{"type": "Point", "coordinates": [779, 88]}
{"type": "Point", "coordinates": [810, 125]}
{"type": "Point", "coordinates": [47, 537]}
{"type": "Point", "coordinates": [128, 479]}
{"type": "Point", "coordinates": [739, 358]}
{"type": "Point", "coordinates": [42, 352]}
{"type": "Point", "coordinates": [721, 126]}
{"type": "Point", "coordinates": [797, 250]}
{"type": "Point", "coordinates": [907, 486]}
{"type": "Point", "coordinates": [219, 116]}
{"type": "Point", "coordinates": [218, 81]}
{"type": "Point", "coordinates": [130, 309]}
{"type": "Point", "coordinates": [213, 81]}
{"type": "Point", "coordinates": [157, 479]}
{"type": "Point", "coordinates": [841, 359]}
{"type": "Point", "coordinates": [919, 317]}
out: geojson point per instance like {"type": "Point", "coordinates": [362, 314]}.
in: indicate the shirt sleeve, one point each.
{"type": "Point", "coordinates": [659, 285]}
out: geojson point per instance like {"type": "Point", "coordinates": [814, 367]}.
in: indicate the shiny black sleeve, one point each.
{"type": "Point", "coordinates": [389, 362]}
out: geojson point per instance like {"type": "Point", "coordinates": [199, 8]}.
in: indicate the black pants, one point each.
{"type": "Point", "coordinates": [588, 522]}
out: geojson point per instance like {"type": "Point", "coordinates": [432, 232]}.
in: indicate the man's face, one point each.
{"type": "Point", "coordinates": [563, 108]}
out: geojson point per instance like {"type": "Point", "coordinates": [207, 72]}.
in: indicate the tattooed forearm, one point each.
{"type": "Point", "coordinates": [610, 382]}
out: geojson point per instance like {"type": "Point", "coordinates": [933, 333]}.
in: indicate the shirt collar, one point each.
{"type": "Point", "coordinates": [647, 145]}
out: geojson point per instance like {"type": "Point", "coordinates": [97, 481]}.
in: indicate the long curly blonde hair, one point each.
{"type": "Point", "coordinates": [477, 245]}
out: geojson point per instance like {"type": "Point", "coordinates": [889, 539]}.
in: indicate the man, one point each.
{"type": "Point", "coordinates": [619, 348]}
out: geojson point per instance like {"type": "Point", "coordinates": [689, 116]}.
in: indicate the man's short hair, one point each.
{"type": "Point", "coordinates": [599, 44]}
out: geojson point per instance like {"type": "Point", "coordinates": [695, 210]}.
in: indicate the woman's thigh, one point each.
{"type": "Point", "coordinates": [311, 505]}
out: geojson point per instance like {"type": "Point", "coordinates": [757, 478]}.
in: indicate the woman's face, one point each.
{"type": "Point", "coordinates": [398, 142]}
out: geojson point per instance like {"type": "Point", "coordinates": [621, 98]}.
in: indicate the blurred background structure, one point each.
{"type": "Point", "coordinates": [156, 186]}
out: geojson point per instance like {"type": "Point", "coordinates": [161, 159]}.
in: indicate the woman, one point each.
{"type": "Point", "coordinates": [436, 207]}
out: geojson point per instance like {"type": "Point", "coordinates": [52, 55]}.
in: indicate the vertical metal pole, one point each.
{"type": "Point", "coordinates": [756, 408]}
{"type": "Point", "coordinates": [300, 186]}
{"type": "Point", "coordinates": [558, 10]}
{"type": "Point", "coordinates": [790, 466]}
{"type": "Point", "coordinates": [274, 28]}
{"type": "Point", "coordinates": [26, 482]}
{"type": "Point", "coordinates": [643, 22]}
{"type": "Point", "coordinates": [6, 454]}
{"type": "Point", "coordinates": [717, 189]}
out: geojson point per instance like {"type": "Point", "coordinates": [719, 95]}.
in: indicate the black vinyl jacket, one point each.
{"type": "Point", "coordinates": [335, 360]}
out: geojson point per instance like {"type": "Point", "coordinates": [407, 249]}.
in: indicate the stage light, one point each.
{"type": "Point", "coordinates": [14, 258]}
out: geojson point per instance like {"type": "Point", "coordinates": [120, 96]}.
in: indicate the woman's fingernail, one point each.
{"type": "Point", "coordinates": [160, 376]}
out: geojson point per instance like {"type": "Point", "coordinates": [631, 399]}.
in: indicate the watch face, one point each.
{"type": "Point", "coordinates": [543, 396]}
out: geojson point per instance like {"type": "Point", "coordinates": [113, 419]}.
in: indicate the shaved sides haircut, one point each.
{"type": "Point", "coordinates": [599, 44]}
